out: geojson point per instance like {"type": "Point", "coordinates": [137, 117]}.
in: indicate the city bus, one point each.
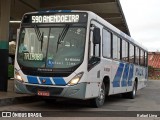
{"type": "Point", "coordinates": [77, 54]}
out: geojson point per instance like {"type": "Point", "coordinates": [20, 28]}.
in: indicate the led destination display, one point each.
{"type": "Point", "coordinates": [55, 18]}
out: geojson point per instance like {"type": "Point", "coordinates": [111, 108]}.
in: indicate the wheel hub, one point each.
{"type": "Point", "coordinates": [101, 95]}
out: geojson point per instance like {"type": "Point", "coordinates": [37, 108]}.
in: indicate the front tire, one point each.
{"type": "Point", "coordinates": [99, 101]}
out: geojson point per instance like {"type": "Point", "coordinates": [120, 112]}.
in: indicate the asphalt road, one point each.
{"type": "Point", "coordinates": [147, 99]}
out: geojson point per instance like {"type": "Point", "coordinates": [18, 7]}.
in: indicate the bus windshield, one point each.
{"type": "Point", "coordinates": [51, 47]}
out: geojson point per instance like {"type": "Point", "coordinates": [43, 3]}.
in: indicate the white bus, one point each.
{"type": "Point", "coordinates": [77, 54]}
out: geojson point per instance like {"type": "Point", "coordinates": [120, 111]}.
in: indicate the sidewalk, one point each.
{"type": "Point", "coordinates": [10, 97]}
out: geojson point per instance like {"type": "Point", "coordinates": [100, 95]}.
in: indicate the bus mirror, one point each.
{"type": "Point", "coordinates": [96, 36]}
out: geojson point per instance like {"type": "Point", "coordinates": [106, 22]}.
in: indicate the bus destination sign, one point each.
{"type": "Point", "coordinates": [55, 18]}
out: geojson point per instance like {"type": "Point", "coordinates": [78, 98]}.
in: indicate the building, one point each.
{"type": "Point", "coordinates": [154, 64]}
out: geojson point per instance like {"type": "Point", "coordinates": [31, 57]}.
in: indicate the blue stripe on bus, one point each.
{"type": "Point", "coordinates": [130, 75]}
{"type": "Point", "coordinates": [125, 75]}
{"type": "Point", "coordinates": [46, 79]}
{"type": "Point", "coordinates": [59, 81]}
{"type": "Point", "coordinates": [117, 77]}
{"type": "Point", "coordinates": [32, 80]}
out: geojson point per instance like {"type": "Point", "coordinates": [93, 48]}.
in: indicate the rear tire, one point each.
{"type": "Point", "coordinates": [99, 101]}
{"type": "Point", "coordinates": [131, 94]}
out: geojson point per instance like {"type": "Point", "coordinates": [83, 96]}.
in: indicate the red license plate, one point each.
{"type": "Point", "coordinates": [43, 93]}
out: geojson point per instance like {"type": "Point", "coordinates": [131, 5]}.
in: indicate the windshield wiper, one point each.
{"type": "Point", "coordinates": [62, 35]}
{"type": "Point", "coordinates": [39, 35]}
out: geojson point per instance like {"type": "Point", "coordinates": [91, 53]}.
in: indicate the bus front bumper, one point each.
{"type": "Point", "coordinates": [76, 91]}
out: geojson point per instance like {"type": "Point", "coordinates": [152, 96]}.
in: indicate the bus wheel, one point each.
{"type": "Point", "coordinates": [99, 101]}
{"type": "Point", "coordinates": [131, 94]}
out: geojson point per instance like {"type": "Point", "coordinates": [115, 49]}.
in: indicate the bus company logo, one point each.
{"type": "Point", "coordinates": [43, 81]}
{"type": "Point", "coordinates": [6, 114]}
{"type": "Point", "coordinates": [20, 114]}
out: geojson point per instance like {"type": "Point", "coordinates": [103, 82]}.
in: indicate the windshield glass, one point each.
{"type": "Point", "coordinates": [52, 47]}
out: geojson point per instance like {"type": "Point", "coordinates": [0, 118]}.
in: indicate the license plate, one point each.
{"type": "Point", "coordinates": [43, 93]}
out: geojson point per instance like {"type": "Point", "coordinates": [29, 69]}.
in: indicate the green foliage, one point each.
{"type": "Point", "coordinates": [10, 71]}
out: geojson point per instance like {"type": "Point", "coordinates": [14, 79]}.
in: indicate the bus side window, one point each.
{"type": "Point", "coordinates": [137, 55]}
{"type": "Point", "coordinates": [94, 53]}
{"type": "Point", "coordinates": [131, 53]}
{"type": "Point", "coordinates": [116, 47]}
{"type": "Point", "coordinates": [146, 59]}
{"type": "Point", "coordinates": [142, 58]}
{"type": "Point", "coordinates": [106, 44]}
{"type": "Point", "coordinates": [96, 42]}
{"type": "Point", "coordinates": [124, 51]}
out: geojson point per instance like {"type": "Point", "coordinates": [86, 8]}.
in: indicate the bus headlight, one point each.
{"type": "Point", "coordinates": [75, 79]}
{"type": "Point", "coordinates": [18, 77]}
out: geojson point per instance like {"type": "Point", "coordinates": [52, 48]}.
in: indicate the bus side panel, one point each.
{"type": "Point", "coordinates": [140, 74]}
{"type": "Point", "coordinates": [122, 77]}
{"type": "Point", "coordinates": [106, 71]}
{"type": "Point", "coordinates": [117, 72]}
{"type": "Point", "coordinates": [92, 90]}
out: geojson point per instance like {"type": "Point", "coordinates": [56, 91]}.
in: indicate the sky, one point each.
{"type": "Point", "coordinates": [143, 19]}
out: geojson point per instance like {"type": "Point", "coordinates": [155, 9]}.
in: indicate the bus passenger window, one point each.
{"type": "Point", "coordinates": [137, 55]}
{"type": "Point", "coordinates": [131, 53]}
{"type": "Point", "coordinates": [142, 57]}
{"type": "Point", "coordinates": [146, 59]}
{"type": "Point", "coordinates": [116, 47]}
{"type": "Point", "coordinates": [124, 51]}
{"type": "Point", "coordinates": [106, 43]}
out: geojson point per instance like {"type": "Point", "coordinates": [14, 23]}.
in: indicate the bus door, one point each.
{"type": "Point", "coordinates": [94, 58]}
